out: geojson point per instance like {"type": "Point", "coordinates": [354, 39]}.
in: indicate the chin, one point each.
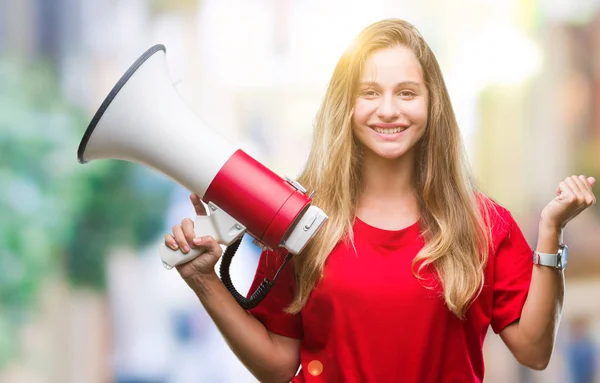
{"type": "Point", "coordinates": [390, 150]}
{"type": "Point", "coordinates": [390, 155]}
{"type": "Point", "coordinates": [393, 157]}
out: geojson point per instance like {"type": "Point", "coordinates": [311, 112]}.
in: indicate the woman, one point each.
{"type": "Point", "coordinates": [414, 264]}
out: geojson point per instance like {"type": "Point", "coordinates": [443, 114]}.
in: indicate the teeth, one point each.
{"type": "Point", "coordinates": [389, 131]}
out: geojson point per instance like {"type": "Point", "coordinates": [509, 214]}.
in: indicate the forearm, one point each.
{"type": "Point", "coordinates": [531, 339]}
{"type": "Point", "coordinates": [245, 335]}
{"type": "Point", "coordinates": [542, 311]}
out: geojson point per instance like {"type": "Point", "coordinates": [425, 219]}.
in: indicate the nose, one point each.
{"type": "Point", "coordinates": [388, 108]}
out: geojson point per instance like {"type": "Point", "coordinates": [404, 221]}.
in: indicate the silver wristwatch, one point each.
{"type": "Point", "coordinates": [558, 260]}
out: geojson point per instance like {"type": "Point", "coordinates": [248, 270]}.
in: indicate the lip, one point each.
{"type": "Point", "coordinates": [383, 125]}
{"type": "Point", "coordinates": [387, 136]}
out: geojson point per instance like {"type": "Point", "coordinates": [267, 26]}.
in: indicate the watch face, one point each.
{"type": "Point", "coordinates": [564, 255]}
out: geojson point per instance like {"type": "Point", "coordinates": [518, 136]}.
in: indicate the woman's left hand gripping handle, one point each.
{"type": "Point", "coordinates": [189, 240]}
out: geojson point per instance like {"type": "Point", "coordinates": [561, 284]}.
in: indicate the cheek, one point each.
{"type": "Point", "coordinates": [362, 111]}
{"type": "Point", "coordinates": [418, 113]}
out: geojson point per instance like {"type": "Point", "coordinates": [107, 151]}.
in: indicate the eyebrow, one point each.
{"type": "Point", "coordinates": [402, 83]}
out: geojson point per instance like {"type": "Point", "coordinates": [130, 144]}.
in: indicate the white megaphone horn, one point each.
{"type": "Point", "coordinates": [144, 120]}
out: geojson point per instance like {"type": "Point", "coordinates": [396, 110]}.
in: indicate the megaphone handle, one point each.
{"type": "Point", "coordinates": [171, 258]}
{"type": "Point", "coordinates": [219, 225]}
{"type": "Point", "coordinates": [203, 225]}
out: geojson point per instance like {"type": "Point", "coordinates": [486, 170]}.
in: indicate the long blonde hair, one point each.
{"type": "Point", "coordinates": [453, 225]}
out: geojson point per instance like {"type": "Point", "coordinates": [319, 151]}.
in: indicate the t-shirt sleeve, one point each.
{"type": "Point", "coordinates": [512, 274]}
{"type": "Point", "coordinates": [270, 311]}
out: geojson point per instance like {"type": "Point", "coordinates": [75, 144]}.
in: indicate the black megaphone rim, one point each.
{"type": "Point", "coordinates": [113, 93]}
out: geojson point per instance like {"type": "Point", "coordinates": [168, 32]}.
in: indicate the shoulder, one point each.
{"type": "Point", "coordinates": [272, 259]}
{"type": "Point", "coordinates": [498, 219]}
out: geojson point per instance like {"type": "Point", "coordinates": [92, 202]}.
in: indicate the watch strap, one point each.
{"type": "Point", "coordinates": [545, 259]}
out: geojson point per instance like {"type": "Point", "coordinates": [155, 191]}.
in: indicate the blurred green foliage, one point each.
{"type": "Point", "coordinates": [56, 215]}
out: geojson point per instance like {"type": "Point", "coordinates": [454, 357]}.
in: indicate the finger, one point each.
{"type": "Point", "coordinates": [180, 238]}
{"type": "Point", "coordinates": [588, 195]}
{"type": "Point", "coordinates": [589, 183]}
{"type": "Point", "coordinates": [187, 225]}
{"type": "Point", "coordinates": [564, 192]}
{"type": "Point", "coordinates": [585, 182]}
{"type": "Point", "coordinates": [209, 243]}
{"type": "Point", "coordinates": [170, 242]}
{"type": "Point", "coordinates": [572, 193]}
{"type": "Point", "coordinates": [575, 183]}
{"type": "Point", "coordinates": [198, 205]}
{"type": "Point", "coordinates": [592, 181]}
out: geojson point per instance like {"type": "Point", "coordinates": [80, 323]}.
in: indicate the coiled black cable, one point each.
{"type": "Point", "coordinates": [261, 291]}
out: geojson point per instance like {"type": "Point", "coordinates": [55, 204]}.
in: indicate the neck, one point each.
{"type": "Point", "coordinates": [389, 195]}
{"type": "Point", "coordinates": [383, 178]}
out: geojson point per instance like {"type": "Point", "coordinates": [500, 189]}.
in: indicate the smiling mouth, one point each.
{"type": "Point", "coordinates": [389, 131]}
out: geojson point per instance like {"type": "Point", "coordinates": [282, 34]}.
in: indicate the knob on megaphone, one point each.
{"type": "Point", "coordinates": [144, 120]}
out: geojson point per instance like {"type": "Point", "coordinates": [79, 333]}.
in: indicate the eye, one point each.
{"type": "Point", "coordinates": [407, 94]}
{"type": "Point", "coordinates": [368, 93]}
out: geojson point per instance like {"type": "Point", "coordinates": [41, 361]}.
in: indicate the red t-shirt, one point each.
{"type": "Point", "coordinates": [369, 319]}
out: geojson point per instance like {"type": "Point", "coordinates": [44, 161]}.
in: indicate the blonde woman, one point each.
{"type": "Point", "coordinates": [414, 264]}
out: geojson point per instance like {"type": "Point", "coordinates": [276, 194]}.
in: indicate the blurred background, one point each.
{"type": "Point", "coordinates": [83, 294]}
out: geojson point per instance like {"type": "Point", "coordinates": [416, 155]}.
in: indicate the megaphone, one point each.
{"type": "Point", "coordinates": [144, 120]}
